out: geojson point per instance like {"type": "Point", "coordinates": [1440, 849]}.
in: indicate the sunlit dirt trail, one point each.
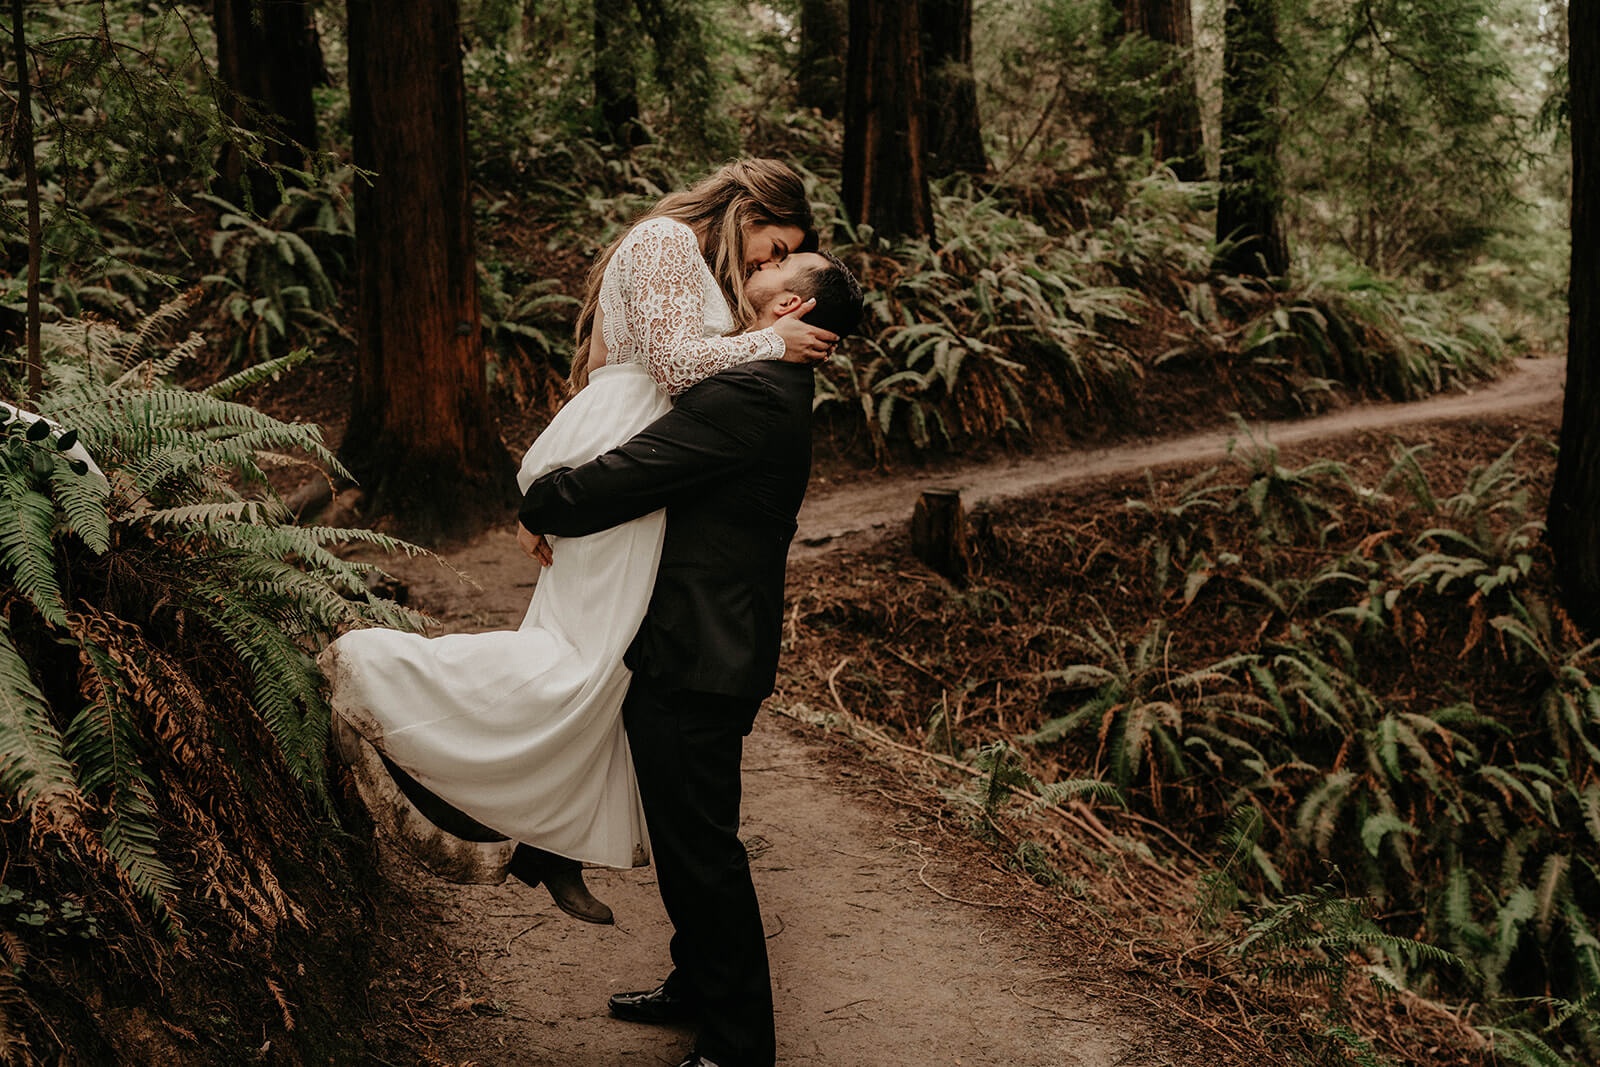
{"type": "Point", "coordinates": [849, 511]}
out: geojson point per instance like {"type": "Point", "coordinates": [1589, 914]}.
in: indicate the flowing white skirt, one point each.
{"type": "Point", "coordinates": [522, 729]}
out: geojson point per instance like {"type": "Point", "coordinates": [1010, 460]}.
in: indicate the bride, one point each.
{"type": "Point", "coordinates": [521, 730]}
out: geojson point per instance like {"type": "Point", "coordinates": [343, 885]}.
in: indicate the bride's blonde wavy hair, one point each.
{"type": "Point", "coordinates": [738, 196]}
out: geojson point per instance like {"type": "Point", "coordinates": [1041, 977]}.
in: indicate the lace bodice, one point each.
{"type": "Point", "coordinates": [661, 307]}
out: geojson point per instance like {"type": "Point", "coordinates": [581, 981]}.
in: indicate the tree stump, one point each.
{"type": "Point", "coordinates": [939, 533]}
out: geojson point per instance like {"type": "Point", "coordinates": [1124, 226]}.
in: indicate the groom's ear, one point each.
{"type": "Point", "coordinates": [786, 303]}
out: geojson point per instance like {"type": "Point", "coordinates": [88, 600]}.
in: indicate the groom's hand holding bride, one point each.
{"type": "Point", "coordinates": [534, 545]}
{"type": "Point", "coordinates": [803, 342]}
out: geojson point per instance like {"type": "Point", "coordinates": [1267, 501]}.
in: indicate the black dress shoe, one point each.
{"type": "Point", "coordinates": [563, 877]}
{"type": "Point", "coordinates": [657, 1006]}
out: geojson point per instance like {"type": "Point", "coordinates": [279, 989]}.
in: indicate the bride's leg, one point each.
{"type": "Point", "coordinates": [437, 811]}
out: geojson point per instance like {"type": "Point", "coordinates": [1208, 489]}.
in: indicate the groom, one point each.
{"type": "Point", "coordinates": [730, 464]}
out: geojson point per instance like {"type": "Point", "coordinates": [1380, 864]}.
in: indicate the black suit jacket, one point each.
{"type": "Point", "coordinates": [730, 464]}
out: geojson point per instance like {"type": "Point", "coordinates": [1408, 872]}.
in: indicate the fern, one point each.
{"type": "Point", "coordinates": [33, 762]}
{"type": "Point", "coordinates": [27, 553]}
{"type": "Point", "coordinates": [256, 374]}
{"type": "Point", "coordinates": [184, 535]}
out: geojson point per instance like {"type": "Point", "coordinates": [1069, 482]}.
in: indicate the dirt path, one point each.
{"type": "Point", "coordinates": [871, 966]}
{"type": "Point", "coordinates": [891, 941]}
{"type": "Point", "coordinates": [849, 511]}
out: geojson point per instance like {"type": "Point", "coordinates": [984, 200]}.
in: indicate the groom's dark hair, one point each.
{"type": "Point", "coordinates": [837, 293]}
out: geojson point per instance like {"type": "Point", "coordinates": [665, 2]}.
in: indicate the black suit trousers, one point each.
{"type": "Point", "coordinates": [686, 751]}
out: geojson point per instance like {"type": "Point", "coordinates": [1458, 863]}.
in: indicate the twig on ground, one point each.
{"type": "Point", "coordinates": [834, 689]}
{"type": "Point", "coordinates": [853, 1003]}
{"type": "Point", "coordinates": [1012, 989]}
{"type": "Point", "coordinates": [519, 933]}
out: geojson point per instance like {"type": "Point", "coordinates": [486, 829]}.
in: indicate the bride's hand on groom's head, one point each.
{"type": "Point", "coordinates": [803, 342]}
{"type": "Point", "coordinates": [534, 545]}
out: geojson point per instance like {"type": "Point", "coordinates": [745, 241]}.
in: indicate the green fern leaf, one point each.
{"type": "Point", "coordinates": [33, 764]}
{"type": "Point", "coordinates": [86, 503]}
{"type": "Point", "coordinates": [26, 548]}
{"type": "Point", "coordinates": [1379, 826]}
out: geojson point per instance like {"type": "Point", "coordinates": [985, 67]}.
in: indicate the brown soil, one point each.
{"type": "Point", "coordinates": [896, 935]}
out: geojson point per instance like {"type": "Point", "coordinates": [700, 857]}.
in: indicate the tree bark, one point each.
{"type": "Point", "coordinates": [269, 58]}
{"type": "Point", "coordinates": [22, 142]}
{"type": "Point", "coordinates": [954, 137]}
{"type": "Point", "coordinates": [1249, 207]}
{"type": "Point", "coordinates": [616, 85]}
{"type": "Point", "coordinates": [885, 181]}
{"type": "Point", "coordinates": [1176, 127]}
{"type": "Point", "coordinates": [1573, 522]}
{"type": "Point", "coordinates": [420, 437]}
{"type": "Point", "coordinates": [819, 78]}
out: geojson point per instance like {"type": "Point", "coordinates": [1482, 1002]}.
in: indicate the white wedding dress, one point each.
{"type": "Point", "coordinates": [522, 729]}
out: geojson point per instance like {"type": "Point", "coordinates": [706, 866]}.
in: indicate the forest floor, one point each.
{"type": "Point", "coordinates": [896, 935]}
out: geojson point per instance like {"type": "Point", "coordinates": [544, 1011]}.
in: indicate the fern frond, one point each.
{"type": "Point", "coordinates": [86, 504]}
{"type": "Point", "coordinates": [154, 327]}
{"type": "Point", "coordinates": [283, 679]}
{"type": "Point", "coordinates": [257, 374]}
{"type": "Point", "coordinates": [1057, 793]}
{"type": "Point", "coordinates": [103, 742]}
{"type": "Point", "coordinates": [26, 548]}
{"type": "Point", "coordinates": [213, 513]}
{"type": "Point", "coordinates": [33, 762]}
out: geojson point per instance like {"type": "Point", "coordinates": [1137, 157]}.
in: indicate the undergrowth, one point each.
{"type": "Point", "coordinates": [1346, 681]}
{"type": "Point", "coordinates": [1008, 319]}
{"type": "Point", "coordinates": [162, 722]}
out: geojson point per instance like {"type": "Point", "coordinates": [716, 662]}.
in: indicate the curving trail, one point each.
{"type": "Point", "coordinates": [891, 942]}
{"type": "Point", "coordinates": [849, 511]}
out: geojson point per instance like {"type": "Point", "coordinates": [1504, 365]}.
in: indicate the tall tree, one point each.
{"type": "Point", "coordinates": [819, 76]}
{"type": "Point", "coordinates": [885, 181]}
{"type": "Point", "coordinates": [1574, 516]}
{"type": "Point", "coordinates": [682, 42]}
{"type": "Point", "coordinates": [616, 82]}
{"type": "Point", "coordinates": [269, 58]}
{"type": "Point", "coordinates": [1250, 204]}
{"type": "Point", "coordinates": [23, 147]}
{"type": "Point", "coordinates": [1409, 133]}
{"type": "Point", "coordinates": [1175, 125]}
{"type": "Point", "coordinates": [952, 137]}
{"type": "Point", "coordinates": [420, 437]}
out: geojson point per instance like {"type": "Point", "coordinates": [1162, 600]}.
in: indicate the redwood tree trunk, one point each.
{"type": "Point", "coordinates": [1249, 206]}
{"type": "Point", "coordinates": [269, 57]}
{"type": "Point", "coordinates": [1176, 129]}
{"type": "Point", "coordinates": [953, 137]}
{"type": "Point", "coordinates": [420, 438]}
{"type": "Point", "coordinates": [885, 181]}
{"type": "Point", "coordinates": [1574, 518]}
{"type": "Point", "coordinates": [22, 141]}
{"type": "Point", "coordinates": [819, 78]}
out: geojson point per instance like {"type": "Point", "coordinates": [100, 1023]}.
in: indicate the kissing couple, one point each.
{"type": "Point", "coordinates": [661, 500]}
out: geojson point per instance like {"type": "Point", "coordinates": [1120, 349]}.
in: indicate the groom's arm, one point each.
{"type": "Point", "coordinates": [716, 429]}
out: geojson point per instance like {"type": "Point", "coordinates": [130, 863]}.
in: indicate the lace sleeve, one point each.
{"type": "Point", "coordinates": [665, 298]}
